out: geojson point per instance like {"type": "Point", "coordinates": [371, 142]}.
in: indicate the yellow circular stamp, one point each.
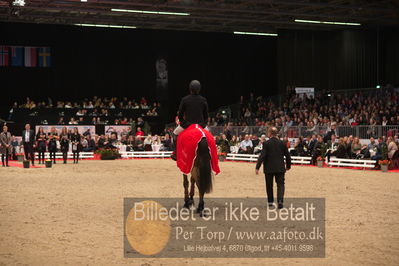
{"type": "Point", "coordinates": [147, 234]}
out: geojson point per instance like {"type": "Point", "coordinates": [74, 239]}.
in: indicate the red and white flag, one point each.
{"type": "Point", "coordinates": [4, 54]}
{"type": "Point", "coordinates": [30, 56]}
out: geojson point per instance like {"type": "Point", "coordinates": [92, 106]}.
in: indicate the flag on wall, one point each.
{"type": "Point", "coordinates": [4, 55]}
{"type": "Point", "coordinates": [30, 56]}
{"type": "Point", "coordinates": [17, 56]}
{"type": "Point", "coordinates": [44, 56]}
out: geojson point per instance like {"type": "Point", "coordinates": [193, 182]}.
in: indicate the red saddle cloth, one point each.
{"type": "Point", "coordinates": [187, 144]}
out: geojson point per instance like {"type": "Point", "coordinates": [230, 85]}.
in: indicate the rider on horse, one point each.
{"type": "Point", "coordinates": [193, 109]}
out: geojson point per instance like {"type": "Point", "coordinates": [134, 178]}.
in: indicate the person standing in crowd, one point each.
{"type": "Point", "coordinates": [52, 146]}
{"type": "Point", "coordinates": [5, 146]}
{"type": "Point", "coordinates": [28, 143]}
{"type": "Point", "coordinates": [272, 158]}
{"type": "Point", "coordinates": [330, 132]}
{"type": "Point", "coordinates": [139, 132]}
{"type": "Point", "coordinates": [41, 144]}
{"type": "Point", "coordinates": [64, 143]}
{"type": "Point", "coordinates": [319, 149]}
{"type": "Point", "coordinates": [392, 147]}
{"type": "Point", "coordinates": [75, 140]}
{"type": "Point", "coordinates": [311, 144]}
{"type": "Point", "coordinates": [14, 146]}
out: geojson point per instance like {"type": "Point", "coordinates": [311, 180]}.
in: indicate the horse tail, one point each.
{"type": "Point", "coordinates": [204, 166]}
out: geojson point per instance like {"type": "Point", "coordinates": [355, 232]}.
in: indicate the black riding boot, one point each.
{"type": "Point", "coordinates": [174, 154]}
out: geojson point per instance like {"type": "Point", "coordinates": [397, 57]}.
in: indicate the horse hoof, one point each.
{"type": "Point", "coordinates": [191, 202]}
{"type": "Point", "coordinates": [186, 204]}
{"type": "Point", "coordinates": [204, 214]}
{"type": "Point", "coordinates": [200, 209]}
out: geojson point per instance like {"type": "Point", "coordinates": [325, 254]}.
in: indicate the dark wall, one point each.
{"type": "Point", "coordinates": [116, 62]}
{"type": "Point", "coordinates": [336, 60]}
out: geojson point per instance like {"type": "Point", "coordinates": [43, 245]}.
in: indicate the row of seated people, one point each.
{"type": "Point", "coordinates": [86, 103]}
{"type": "Point", "coordinates": [100, 121]}
{"type": "Point", "coordinates": [95, 111]}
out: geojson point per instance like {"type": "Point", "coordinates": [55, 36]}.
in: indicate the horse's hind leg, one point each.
{"type": "Point", "coordinates": [186, 196]}
{"type": "Point", "coordinates": [192, 190]}
{"type": "Point", "coordinates": [201, 203]}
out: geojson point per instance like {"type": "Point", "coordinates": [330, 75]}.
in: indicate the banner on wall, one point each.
{"type": "Point", "coordinates": [83, 130]}
{"type": "Point", "coordinates": [17, 56]}
{"type": "Point", "coordinates": [161, 67]}
{"type": "Point", "coordinates": [304, 91]}
{"type": "Point", "coordinates": [30, 56]}
{"type": "Point", "coordinates": [119, 130]}
{"type": "Point", "coordinates": [4, 55]}
{"type": "Point", "coordinates": [25, 56]}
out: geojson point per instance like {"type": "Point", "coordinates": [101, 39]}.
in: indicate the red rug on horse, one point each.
{"type": "Point", "coordinates": [187, 144]}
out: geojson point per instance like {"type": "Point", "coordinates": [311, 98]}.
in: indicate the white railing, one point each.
{"type": "Point", "coordinates": [352, 163]}
{"type": "Point", "coordinates": [254, 158]}
{"type": "Point", "coordinates": [363, 132]}
{"type": "Point", "coordinates": [146, 154]}
{"type": "Point", "coordinates": [58, 155]}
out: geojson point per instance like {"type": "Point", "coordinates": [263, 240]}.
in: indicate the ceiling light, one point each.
{"type": "Point", "coordinates": [83, 0]}
{"type": "Point", "coordinates": [327, 22]}
{"type": "Point", "coordinates": [256, 33]}
{"type": "Point", "coordinates": [106, 26]}
{"type": "Point", "coordinates": [150, 12]}
{"type": "Point", "coordinates": [18, 3]}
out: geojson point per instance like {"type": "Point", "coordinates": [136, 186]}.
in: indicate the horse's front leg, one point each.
{"type": "Point", "coordinates": [186, 196]}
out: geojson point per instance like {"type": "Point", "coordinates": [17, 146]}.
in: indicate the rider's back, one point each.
{"type": "Point", "coordinates": [193, 110]}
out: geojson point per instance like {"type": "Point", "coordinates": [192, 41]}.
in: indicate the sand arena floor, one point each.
{"type": "Point", "coordinates": [73, 214]}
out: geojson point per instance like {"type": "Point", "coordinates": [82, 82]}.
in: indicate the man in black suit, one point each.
{"type": "Point", "coordinates": [28, 142]}
{"type": "Point", "coordinates": [329, 134]}
{"type": "Point", "coordinates": [272, 157]}
{"type": "Point", "coordinates": [311, 144]}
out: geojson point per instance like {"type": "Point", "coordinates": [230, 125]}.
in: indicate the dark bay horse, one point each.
{"type": "Point", "coordinates": [201, 174]}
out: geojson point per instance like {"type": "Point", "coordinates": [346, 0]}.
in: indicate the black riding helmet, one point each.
{"type": "Point", "coordinates": [195, 87]}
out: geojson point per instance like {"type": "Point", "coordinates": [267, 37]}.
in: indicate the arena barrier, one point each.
{"type": "Point", "coordinates": [58, 155]}
{"type": "Point", "coordinates": [254, 158]}
{"type": "Point", "coordinates": [352, 163]}
{"type": "Point", "coordinates": [146, 154]}
{"type": "Point", "coordinates": [362, 132]}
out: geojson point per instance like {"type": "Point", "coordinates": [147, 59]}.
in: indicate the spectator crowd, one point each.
{"type": "Point", "coordinates": [379, 107]}
{"type": "Point", "coordinates": [70, 140]}
{"type": "Point", "coordinates": [106, 110]}
{"type": "Point", "coordinates": [329, 110]}
{"type": "Point", "coordinates": [315, 146]}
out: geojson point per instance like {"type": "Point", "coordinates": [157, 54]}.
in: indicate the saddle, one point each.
{"type": "Point", "coordinates": [187, 144]}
